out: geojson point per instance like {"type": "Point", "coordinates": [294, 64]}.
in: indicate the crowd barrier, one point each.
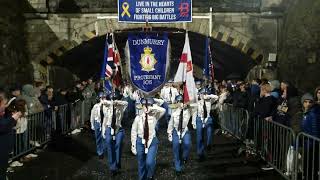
{"type": "Point", "coordinates": [272, 141]}
{"type": "Point", "coordinates": [307, 157]}
{"type": "Point", "coordinates": [36, 130]}
{"type": "Point", "coordinates": [234, 120]}
{"type": "Point", "coordinates": [295, 157]}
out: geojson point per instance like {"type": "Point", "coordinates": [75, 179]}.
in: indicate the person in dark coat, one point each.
{"type": "Point", "coordinates": [288, 104]}
{"type": "Point", "coordinates": [7, 122]}
{"type": "Point", "coordinates": [266, 106]}
{"type": "Point", "coordinates": [310, 125]}
{"type": "Point", "coordinates": [311, 117]}
{"type": "Point", "coordinates": [48, 99]}
{"type": "Point", "coordinates": [317, 95]}
{"type": "Point", "coordinates": [241, 97]}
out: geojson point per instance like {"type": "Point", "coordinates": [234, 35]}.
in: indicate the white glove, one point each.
{"type": "Point", "coordinates": [92, 127]}
{"type": "Point", "coordinates": [194, 126]}
{"type": "Point", "coordinates": [133, 149]}
{"type": "Point", "coordinates": [170, 137]}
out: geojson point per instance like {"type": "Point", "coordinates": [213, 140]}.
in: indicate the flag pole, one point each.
{"type": "Point", "coordinates": [103, 73]}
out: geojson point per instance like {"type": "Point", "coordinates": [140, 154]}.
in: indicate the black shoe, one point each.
{"type": "Point", "coordinates": [150, 178]}
{"type": "Point", "coordinates": [101, 156]}
{"type": "Point", "coordinates": [209, 147]}
{"type": "Point", "coordinates": [113, 173]}
{"type": "Point", "coordinates": [201, 158]}
{"type": "Point", "coordinates": [178, 173]}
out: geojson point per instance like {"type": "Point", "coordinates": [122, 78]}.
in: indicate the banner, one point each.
{"type": "Point", "coordinates": [148, 60]}
{"type": "Point", "coordinates": [156, 11]}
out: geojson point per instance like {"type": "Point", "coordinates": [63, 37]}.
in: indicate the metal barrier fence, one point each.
{"type": "Point", "coordinates": [36, 130]}
{"type": "Point", "coordinates": [234, 120]}
{"type": "Point", "coordinates": [307, 157]}
{"type": "Point", "coordinates": [36, 133]}
{"type": "Point", "coordinates": [294, 157]}
{"type": "Point", "coordinates": [272, 141]}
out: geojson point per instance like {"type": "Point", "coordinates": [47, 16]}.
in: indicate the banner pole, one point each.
{"type": "Point", "coordinates": [210, 23]}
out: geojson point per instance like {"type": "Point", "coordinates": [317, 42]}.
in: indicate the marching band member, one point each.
{"type": "Point", "coordinates": [136, 96]}
{"type": "Point", "coordinates": [204, 122]}
{"type": "Point", "coordinates": [127, 94]}
{"type": "Point", "coordinates": [178, 132]}
{"type": "Point", "coordinates": [168, 94]}
{"type": "Point", "coordinates": [98, 114]}
{"type": "Point", "coordinates": [143, 137]}
{"type": "Point", "coordinates": [113, 131]}
{"type": "Point", "coordinates": [198, 87]}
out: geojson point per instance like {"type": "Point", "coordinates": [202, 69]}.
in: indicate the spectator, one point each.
{"type": "Point", "coordinates": [76, 93]}
{"type": "Point", "coordinates": [275, 88]}
{"type": "Point", "coordinates": [241, 97]}
{"type": "Point", "coordinates": [33, 103]}
{"type": "Point", "coordinates": [311, 117]}
{"type": "Point", "coordinates": [311, 126]}
{"type": "Point", "coordinates": [317, 95]}
{"type": "Point", "coordinates": [7, 122]}
{"type": "Point", "coordinates": [288, 104]}
{"type": "Point", "coordinates": [61, 97]}
{"type": "Point", "coordinates": [15, 91]}
{"type": "Point", "coordinates": [48, 100]}
{"type": "Point", "coordinates": [88, 91]}
{"type": "Point", "coordinates": [39, 87]}
{"type": "Point", "coordinates": [254, 94]}
{"type": "Point", "coordinates": [222, 97]}
{"type": "Point", "coordinates": [267, 104]}
{"type": "Point", "coordinates": [265, 109]}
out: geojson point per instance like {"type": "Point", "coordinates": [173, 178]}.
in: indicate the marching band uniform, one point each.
{"type": "Point", "coordinates": [127, 94]}
{"type": "Point", "coordinates": [194, 113]}
{"type": "Point", "coordinates": [179, 134]}
{"type": "Point", "coordinates": [143, 137]}
{"type": "Point", "coordinates": [98, 114]}
{"type": "Point", "coordinates": [113, 131]}
{"type": "Point", "coordinates": [204, 122]}
{"type": "Point", "coordinates": [136, 96]}
{"type": "Point", "coordinates": [168, 94]}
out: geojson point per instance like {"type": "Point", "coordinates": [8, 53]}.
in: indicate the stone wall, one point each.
{"type": "Point", "coordinates": [241, 30]}
{"type": "Point", "coordinates": [50, 35]}
{"type": "Point", "coordinates": [15, 66]}
{"type": "Point", "coordinates": [299, 54]}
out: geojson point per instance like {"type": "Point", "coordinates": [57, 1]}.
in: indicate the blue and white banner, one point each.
{"type": "Point", "coordinates": [148, 55]}
{"type": "Point", "coordinates": [155, 11]}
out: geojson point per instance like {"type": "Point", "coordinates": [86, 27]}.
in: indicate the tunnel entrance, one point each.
{"type": "Point", "coordinates": [229, 62]}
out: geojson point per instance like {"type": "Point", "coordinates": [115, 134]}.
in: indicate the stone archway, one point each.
{"type": "Point", "coordinates": [71, 30]}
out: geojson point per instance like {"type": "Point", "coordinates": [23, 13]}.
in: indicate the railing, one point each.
{"type": "Point", "coordinates": [294, 157]}
{"type": "Point", "coordinates": [37, 129]}
{"type": "Point", "coordinates": [307, 157]}
{"type": "Point", "coordinates": [234, 120]}
{"type": "Point", "coordinates": [272, 142]}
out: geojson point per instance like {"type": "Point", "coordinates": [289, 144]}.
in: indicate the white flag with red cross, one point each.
{"type": "Point", "coordinates": [185, 74]}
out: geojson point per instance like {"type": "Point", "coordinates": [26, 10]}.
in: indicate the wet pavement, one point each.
{"type": "Point", "coordinates": [74, 158]}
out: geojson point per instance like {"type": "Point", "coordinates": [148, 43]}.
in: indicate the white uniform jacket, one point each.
{"type": "Point", "coordinates": [167, 96]}
{"type": "Point", "coordinates": [175, 119]}
{"type": "Point", "coordinates": [95, 114]}
{"type": "Point", "coordinates": [137, 130]}
{"type": "Point", "coordinates": [120, 107]}
{"type": "Point", "coordinates": [208, 100]}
